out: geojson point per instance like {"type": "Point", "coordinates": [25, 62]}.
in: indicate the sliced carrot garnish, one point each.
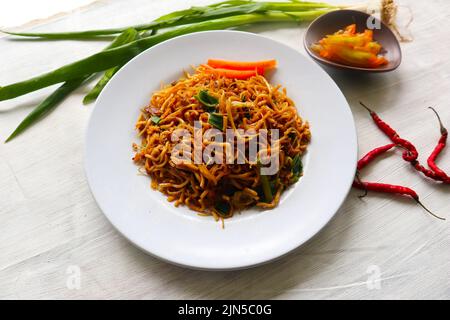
{"type": "Point", "coordinates": [369, 34]}
{"type": "Point", "coordinates": [235, 74]}
{"type": "Point", "coordinates": [352, 48]}
{"type": "Point", "coordinates": [350, 29]}
{"type": "Point", "coordinates": [242, 65]}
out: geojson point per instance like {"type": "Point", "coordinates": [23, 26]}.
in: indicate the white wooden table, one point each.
{"type": "Point", "coordinates": [56, 243]}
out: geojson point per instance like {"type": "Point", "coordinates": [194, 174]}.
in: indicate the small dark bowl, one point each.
{"type": "Point", "coordinates": [333, 21]}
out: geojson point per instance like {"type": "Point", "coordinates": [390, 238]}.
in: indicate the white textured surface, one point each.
{"type": "Point", "coordinates": [17, 12]}
{"type": "Point", "coordinates": [49, 221]}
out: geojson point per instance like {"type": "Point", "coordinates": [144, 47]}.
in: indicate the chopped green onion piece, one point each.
{"type": "Point", "coordinates": [207, 100]}
{"type": "Point", "coordinates": [223, 208]}
{"type": "Point", "coordinates": [265, 184]}
{"type": "Point", "coordinates": [155, 119]}
{"type": "Point", "coordinates": [297, 168]}
{"type": "Point", "coordinates": [273, 189]}
{"type": "Point", "coordinates": [267, 190]}
{"type": "Point", "coordinates": [216, 120]}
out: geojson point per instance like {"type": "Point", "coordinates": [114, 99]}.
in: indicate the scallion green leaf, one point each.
{"type": "Point", "coordinates": [155, 119]}
{"type": "Point", "coordinates": [46, 106]}
{"type": "Point", "coordinates": [297, 165]}
{"type": "Point", "coordinates": [297, 168]}
{"type": "Point", "coordinates": [223, 208]}
{"type": "Point", "coordinates": [113, 57]}
{"type": "Point", "coordinates": [265, 185]}
{"type": "Point", "coordinates": [127, 36]}
{"type": "Point", "coordinates": [216, 120]}
{"type": "Point", "coordinates": [52, 101]}
{"type": "Point", "coordinates": [207, 100]}
{"type": "Point", "coordinates": [267, 190]}
{"type": "Point", "coordinates": [194, 15]}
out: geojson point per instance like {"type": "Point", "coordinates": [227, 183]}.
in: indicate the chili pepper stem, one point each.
{"type": "Point", "coordinates": [392, 189]}
{"type": "Point", "coordinates": [364, 194]}
{"type": "Point", "coordinates": [366, 107]}
{"type": "Point", "coordinates": [358, 179]}
{"type": "Point", "coordinates": [441, 125]}
{"type": "Point", "coordinates": [427, 210]}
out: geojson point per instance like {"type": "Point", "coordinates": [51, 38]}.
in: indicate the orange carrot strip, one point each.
{"type": "Point", "coordinates": [351, 29]}
{"type": "Point", "coordinates": [348, 47]}
{"type": "Point", "coordinates": [235, 74]}
{"type": "Point", "coordinates": [369, 34]}
{"type": "Point", "coordinates": [242, 65]}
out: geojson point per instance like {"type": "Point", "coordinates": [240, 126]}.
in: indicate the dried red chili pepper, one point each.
{"type": "Point", "coordinates": [410, 153]}
{"type": "Point", "coordinates": [438, 149]}
{"type": "Point", "coordinates": [368, 158]}
{"type": "Point", "coordinates": [394, 189]}
{"type": "Point", "coordinates": [371, 155]}
{"type": "Point", "coordinates": [428, 172]}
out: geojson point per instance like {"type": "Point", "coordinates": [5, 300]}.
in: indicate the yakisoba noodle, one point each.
{"type": "Point", "coordinates": [242, 104]}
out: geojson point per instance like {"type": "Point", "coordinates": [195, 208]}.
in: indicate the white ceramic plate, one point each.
{"type": "Point", "coordinates": [179, 235]}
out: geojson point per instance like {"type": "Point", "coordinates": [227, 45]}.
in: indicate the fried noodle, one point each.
{"type": "Point", "coordinates": [243, 104]}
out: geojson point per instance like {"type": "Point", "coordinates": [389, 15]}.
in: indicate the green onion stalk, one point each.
{"type": "Point", "coordinates": [108, 74]}
{"type": "Point", "coordinates": [222, 15]}
{"type": "Point", "coordinates": [192, 15]}
{"type": "Point", "coordinates": [52, 101]}
{"type": "Point", "coordinates": [116, 56]}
